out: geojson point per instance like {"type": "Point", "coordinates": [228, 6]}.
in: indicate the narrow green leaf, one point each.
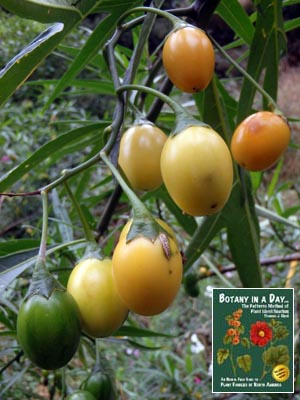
{"type": "Point", "coordinates": [275, 178]}
{"type": "Point", "coordinates": [68, 12]}
{"type": "Point", "coordinates": [46, 11]}
{"type": "Point", "coordinates": [17, 258]}
{"type": "Point", "coordinates": [15, 245]}
{"type": "Point", "coordinates": [267, 45]}
{"type": "Point", "coordinates": [236, 17]}
{"type": "Point", "coordinates": [116, 5]}
{"type": "Point", "coordinates": [292, 24]}
{"type": "Point", "coordinates": [265, 213]}
{"type": "Point", "coordinates": [219, 109]}
{"type": "Point", "coordinates": [256, 180]}
{"type": "Point", "coordinates": [44, 152]}
{"type": "Point", "coordinates": [243, 233]}
{"type": "Point", "coordinates": [94, 43]}
{"type": "Point", "coordinates": [20, 67]}
{"type": "Point", "coordinates": [72, 52]}
{"type": "Point", "coordinates": [85, 86]}
{"type": "Point", "coordinates": [202, 237]}
{"type": "Point", "coordinates": [8, 273]}
{"type": "Point", "coordinates": [276, 47]}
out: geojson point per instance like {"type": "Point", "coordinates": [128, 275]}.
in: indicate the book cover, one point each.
{"type": "Point", "coordinates": [253, 335]}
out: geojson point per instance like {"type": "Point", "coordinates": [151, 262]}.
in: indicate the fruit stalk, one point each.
{"type": "Point", "coordinates": [183, 119]}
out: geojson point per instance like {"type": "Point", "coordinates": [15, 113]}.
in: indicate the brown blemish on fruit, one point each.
{"type": "Point", "coordinates": [165, 244]}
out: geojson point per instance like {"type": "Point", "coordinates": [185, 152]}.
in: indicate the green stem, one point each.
{"type": "Point", "coordinates": [87, 230]}
{"type": "Point", "coordinates": [232, 362]}
{"type": "Point", "coordinates": [271, 101]}
{"type": "Point", "coordinates": [217, 272]}
{"type": "Point", "coordinates": [177, 108]}
{"type": "Point", "coordinates": [183, 119]}
{"type": "Point", "coordinates": [43, 283]}
{"type": "Point", "coordinates": [68, 173]}
{"type": "Point", "coordinates": [157, 104]}
{"type": "Point", "coordinates": [176, 22]}
{"type": "Point", "coordinates": [179, 12]}
{"type": "Point", "coordinates": [43, 245]}
{"type": "Point", "coordinates": [97, 361]}
{"type": "Point", "coordinates": [144, 224]}
{"type": "Point", "coordinates": [138, 207]}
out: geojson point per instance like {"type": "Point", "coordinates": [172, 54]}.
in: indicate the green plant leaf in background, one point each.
{"type": "Point", "coordinates": [48, 149]}
{"type": "Point", "coordinates": [26, 259]}
{"type": "Point", "coordinates": [236, 17]}
{"type": "Point", "coordinates": [243, 233]}
{"type": "Point", "coordinates": [20, 67]}
{"type": "Point", "coordinates": [46, 11]}
{"type": "Point", "coordinates": [68, 16]}
{"type": "Point", "coordinates": [94, 44]}
{"type": "Point", "coordinates": [267, 46]}
{"type": "Point", "coordinates": [206, 231]}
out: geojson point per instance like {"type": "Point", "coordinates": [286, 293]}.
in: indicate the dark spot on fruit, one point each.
{"type": "Point", "coordinates": [213, 205]}
{"type": "Point", "coordinates": [165, 244]}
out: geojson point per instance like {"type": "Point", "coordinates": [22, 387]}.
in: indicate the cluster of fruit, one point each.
{"type": "Point", "coordinates": [195, 164]}
{"type": "Point", "coordinates": [144, 276]}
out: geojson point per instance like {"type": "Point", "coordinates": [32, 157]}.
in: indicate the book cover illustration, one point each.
{"type": "Point", "coordinates": [253, 335]}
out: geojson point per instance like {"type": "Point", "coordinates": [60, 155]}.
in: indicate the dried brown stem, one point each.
{"type": "Point", "coordinates": [264, 262]}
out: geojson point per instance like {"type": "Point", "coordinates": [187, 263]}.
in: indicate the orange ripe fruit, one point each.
{"type": "Point", "coordinates": [259, 140]}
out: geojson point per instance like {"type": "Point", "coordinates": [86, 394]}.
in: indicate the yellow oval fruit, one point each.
{"type": "Point", "coordinates": [92, 286]}
{"type": "Point", "coordinates": [197, 170]}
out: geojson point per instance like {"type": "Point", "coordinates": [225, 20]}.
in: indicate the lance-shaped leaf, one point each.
{"type": "Point", "coordinates": [202, 237]}
{"type": "Point", "coordinates": [68, 13]}
{"type": "Point", "coordinates": [45, 10]}
{"type": "Point", "coordinates": [243, 233]}
{"type": "Point", "coordinates": [236, 17]}
{"type": "Point", "coordinates": [23, 260]}
{"type": "Point", "coordinates": [94, 44]}
{"type": "Point", "coordinates": [47, 150]}
{"type": "Point", "coordinates": [20, 67]}
{"type": "Point", "coordinates": [267, 46]}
